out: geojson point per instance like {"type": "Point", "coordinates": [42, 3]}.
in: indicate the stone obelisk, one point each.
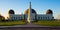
{"type": "Point", "coordinates": [29, 14]}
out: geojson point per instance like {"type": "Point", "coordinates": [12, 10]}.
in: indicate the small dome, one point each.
{"type": "Point", "coordinates": [49, 11]}
{"type": "Point", "coordinates": [27, 11]}
{"type": "Point", "coordinates": [11, 12]}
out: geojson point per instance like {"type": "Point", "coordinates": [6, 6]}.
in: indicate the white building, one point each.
{"type": "Point", "coordinates": [31, 15]}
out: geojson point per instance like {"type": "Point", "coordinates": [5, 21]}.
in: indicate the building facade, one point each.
{"type": "Point", "coordinates": [30, 14]}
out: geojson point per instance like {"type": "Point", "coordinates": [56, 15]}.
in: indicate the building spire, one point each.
{"type": "Point", "coordinates": [29, 14]}
{"type": "Point", "coordinates": [29, 5]}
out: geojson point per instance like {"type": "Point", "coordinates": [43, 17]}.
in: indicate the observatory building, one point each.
{"type": "Point", "coordinates": [30, 14]}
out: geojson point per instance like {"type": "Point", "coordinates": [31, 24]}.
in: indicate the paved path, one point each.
{"type": "Point", "coordinates": [30, 28]}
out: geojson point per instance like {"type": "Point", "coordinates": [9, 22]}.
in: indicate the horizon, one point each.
{"type": "Point", "coordinates": [40, 6]}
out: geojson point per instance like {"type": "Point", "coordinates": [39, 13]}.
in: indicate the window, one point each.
{"type": "Point", "coordinates": [14, 17]}
{"type": "Point", "coordinates": [38, 17]}
{"type": "Point", "coordinates": [52, 17]}
{"type": "Point", "coordinates": [48, 17]}
{"type": "Point", "coordinates": [41, 17]}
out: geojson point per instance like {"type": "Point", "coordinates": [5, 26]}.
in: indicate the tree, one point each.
{"type": "Point", "coordinates": [2, 18]}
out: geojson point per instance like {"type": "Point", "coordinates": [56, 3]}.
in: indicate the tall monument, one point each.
{"type": "Point", "coordinates": [30, 13]}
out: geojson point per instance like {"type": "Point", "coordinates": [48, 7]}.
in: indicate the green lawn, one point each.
{"type": "Point", "coordinates": [40, 22]}
{"type": "Point", "coordinates": [11, 23]}
{"type": "Point", "coordinates": [48, 22]}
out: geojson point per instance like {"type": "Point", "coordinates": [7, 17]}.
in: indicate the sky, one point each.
{"type": "Point", "coordinates": [40, 6]}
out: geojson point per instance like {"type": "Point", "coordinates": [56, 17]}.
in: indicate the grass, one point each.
{"type": "Point", "coordinates": [12, 23]}
{"type": "Point", "coordinates": [39, 22]}
{"type": "Point", "coordinates": [48, 22]}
